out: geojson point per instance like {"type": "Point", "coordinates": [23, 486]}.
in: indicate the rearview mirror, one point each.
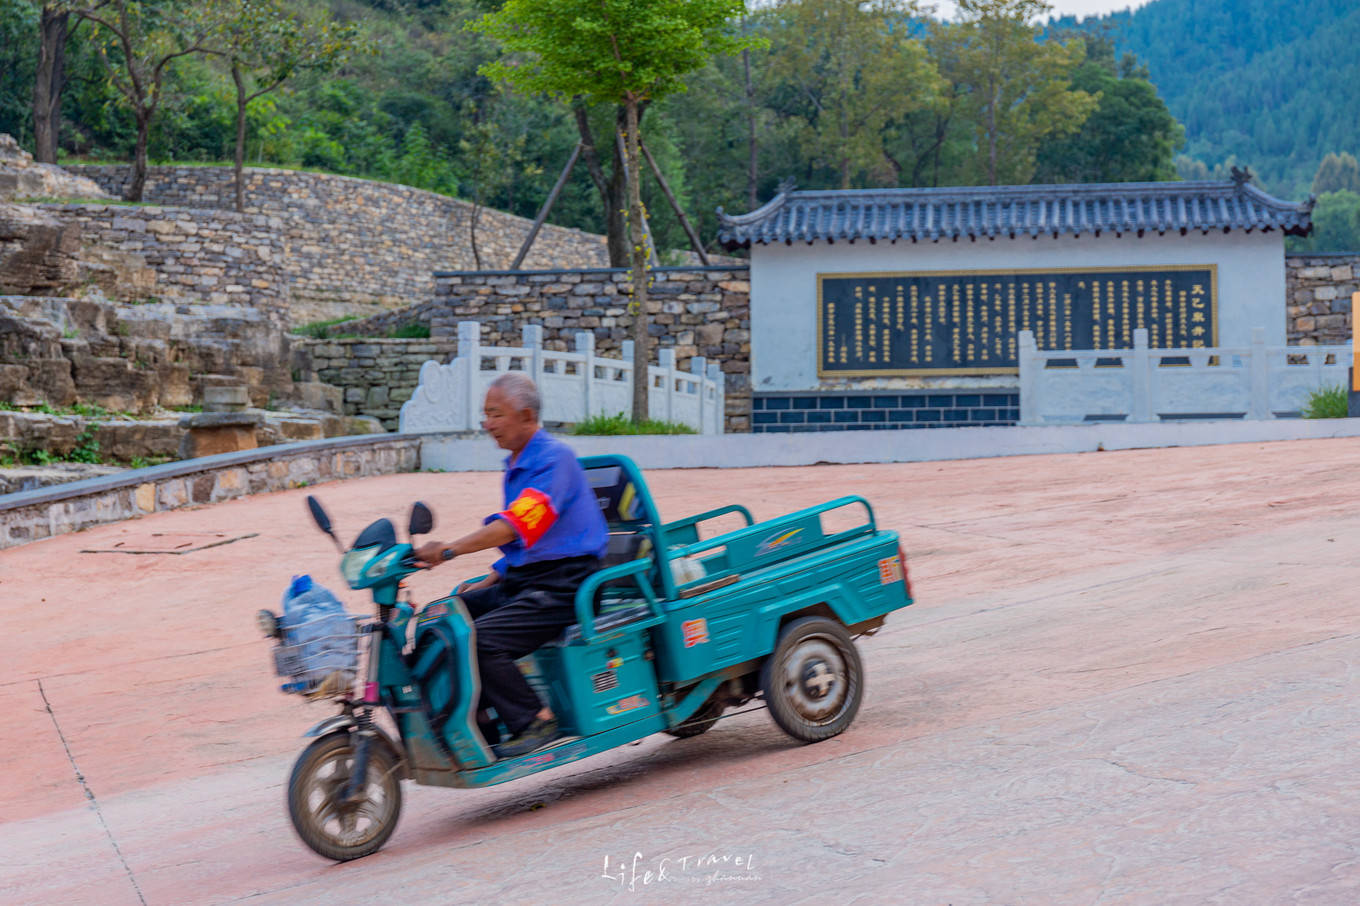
{"type": "Point", "coordinates": [319, 516]}
{"type": "Point", "coordinates": [422, 520]}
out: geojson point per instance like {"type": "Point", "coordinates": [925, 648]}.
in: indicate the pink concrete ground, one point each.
{"type": "Point", "coordinates": [1131, 678]}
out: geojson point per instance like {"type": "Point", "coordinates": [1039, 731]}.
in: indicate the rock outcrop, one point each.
{"type": "Point", "coordinates": [39, 253]}
{"type": "Point", "coordinates": [21, 177]}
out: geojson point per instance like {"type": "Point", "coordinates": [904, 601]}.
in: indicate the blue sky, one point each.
{"type": "Point", "coordinates": [1078, 8]}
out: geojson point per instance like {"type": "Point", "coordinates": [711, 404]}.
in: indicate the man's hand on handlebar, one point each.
{"type": "Point", "coordinates": [493, 534]}
{"type": "Point", "coordinates": [433, 553]}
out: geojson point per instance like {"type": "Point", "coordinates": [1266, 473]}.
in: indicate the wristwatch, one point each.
{"type": "Point", "coordinates": [447, 554]}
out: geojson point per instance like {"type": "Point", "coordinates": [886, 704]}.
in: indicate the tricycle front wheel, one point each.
{"type": "Point", "coordinates": [814, 680]}
{"type": "Point", "coordinates": [701, 721]}
{"type": "Point", "coordinates": [335, 828]}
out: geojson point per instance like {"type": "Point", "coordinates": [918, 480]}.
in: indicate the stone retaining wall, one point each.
{"type": "Point", "coordinates": [33, 515]}
{"type": "Point", "coordinates": [222, 257]}
{"type": "Point", "coordinates": [377, 376]}
{"type": "Point", "coordinates": [356, 244]}
{"type": "Point", "coordinates": [1319, 304]}
{"type": "Point", "coordinates": [695, 310]}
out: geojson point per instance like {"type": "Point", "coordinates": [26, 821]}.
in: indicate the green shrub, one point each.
{"type": "Point", "coordinates": [622, 424]}
{"type": "Point", "coordinates": [89, 410]}
{"type": "Point", "coordinates": [1326, 402]}
{"type": "Point", "coordinates": [412, 331]}
{"type": "Point", "coordinates": [86, 448]}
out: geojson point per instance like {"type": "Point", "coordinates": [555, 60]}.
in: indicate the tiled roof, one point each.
{"type": "Point", "coordinates": [992, 212]}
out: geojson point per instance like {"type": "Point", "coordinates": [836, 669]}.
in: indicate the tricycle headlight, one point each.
{"type": "Point", "coordinates": [352, 564]}
{"type": "Point", "coordinates": [381, 565]}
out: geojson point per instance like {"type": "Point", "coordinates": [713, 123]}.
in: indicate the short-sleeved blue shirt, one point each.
{"type": "Point", "coordinates": [549, 504]}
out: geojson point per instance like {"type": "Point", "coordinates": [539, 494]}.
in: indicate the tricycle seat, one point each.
{"type": "Point", "coordinates": [616, 616]}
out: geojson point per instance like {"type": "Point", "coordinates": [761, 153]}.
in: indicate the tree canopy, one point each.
{"type": "Point", "coordinates": [829, 93]}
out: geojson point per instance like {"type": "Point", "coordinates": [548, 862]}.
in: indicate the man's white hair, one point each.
{"type": "Point", "coordinates": [520, 389]}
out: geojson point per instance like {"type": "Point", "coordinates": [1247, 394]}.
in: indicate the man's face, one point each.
{"type": "Point", "coordinates": [510, 427]}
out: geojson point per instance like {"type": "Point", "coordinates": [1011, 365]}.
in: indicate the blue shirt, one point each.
{"type": "Point", "coordinates": [549, 504]}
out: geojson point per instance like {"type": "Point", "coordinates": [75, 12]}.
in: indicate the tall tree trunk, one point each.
{"type": "Point", "coordinates": [991, 139]}
{"type": "Point", "coordinates": [637, 242]}
{"type": "Point", "coordinates": [752, 149]}
{"type": "Point", "coordinates": [611, 188]}
{"type": "Point", "coordinates": [48, 84]}
{"type": "Point", "coordinates": [138, 181]}
{"type": "Point", "coordinates": [240, 161]}
{"type": "Point", "coordinates": [472, 231]}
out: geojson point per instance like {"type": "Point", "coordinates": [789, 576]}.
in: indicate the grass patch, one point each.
{"type": "Point", "coordinates": [84, 410]}
{"type": "Point", "coordinates": [1326, 402]}
{"type": "Point", "coordinates": [320, 330]}
{"type": "Point", "coordinates": [622, 424]}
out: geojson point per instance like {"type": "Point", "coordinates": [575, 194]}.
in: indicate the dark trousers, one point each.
{"type": "Point", "coordinates": [530, 605]}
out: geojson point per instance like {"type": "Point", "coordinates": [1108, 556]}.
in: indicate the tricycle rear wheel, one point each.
{"type": "Point", "coordinates": [335, 829]}
{"type": "Point", "coordinates": [814, 680]}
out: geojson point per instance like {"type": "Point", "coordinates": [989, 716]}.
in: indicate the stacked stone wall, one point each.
{"type": "Point", "coordinates": [377, 376]}
{"type": "Point", "coordinates": [695, 310]}
{"type": "Point", "coordinates": [354, 244]}
{"type": "Point", "coordinates": [1319, 289]}
{"type": "Point", "coordinates": [223, 257]}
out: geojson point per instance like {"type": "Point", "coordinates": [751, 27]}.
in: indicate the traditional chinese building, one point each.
{"type": "Point", "coordinates": [893, 308]}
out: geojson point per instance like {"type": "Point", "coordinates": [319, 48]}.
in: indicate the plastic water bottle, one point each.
{"type": "Point", "coordinates": [315, 620]}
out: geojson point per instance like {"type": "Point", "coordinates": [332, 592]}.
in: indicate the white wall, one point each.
{"type": "Point", "coordinates": [1251, 287]}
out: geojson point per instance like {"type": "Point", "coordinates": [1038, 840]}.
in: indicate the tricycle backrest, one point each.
{"type": "Point", "coordinates": [628, 508]}
{"type": "Point", "coordinates": [622, 493]}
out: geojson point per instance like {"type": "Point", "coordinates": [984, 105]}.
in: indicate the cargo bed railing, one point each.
{"type": "Point", "coordinates": [766, 543]}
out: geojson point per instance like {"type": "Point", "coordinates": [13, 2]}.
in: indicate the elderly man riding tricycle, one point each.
{"type": "Point", "coordinates": [667, 633]}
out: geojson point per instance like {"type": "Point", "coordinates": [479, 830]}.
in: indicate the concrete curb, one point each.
{"type": "Point", "coordinates": [41, 513]}
{"type": "Point", "coordinates": [439, 452]}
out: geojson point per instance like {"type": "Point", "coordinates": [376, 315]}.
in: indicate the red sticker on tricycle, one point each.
{"type": "Point", "coordinates": [889, 571]}
{"type": "Point", "coordinates": [696, 632]}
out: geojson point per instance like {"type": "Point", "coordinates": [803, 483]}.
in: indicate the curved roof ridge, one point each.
{"type": "Point", "coordinates": [989, 211]}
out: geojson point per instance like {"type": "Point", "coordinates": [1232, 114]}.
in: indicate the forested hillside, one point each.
{"type": "Point", "coordinates": [1269, 83]}
{"type": "Point", "coordinates": [836, 94]}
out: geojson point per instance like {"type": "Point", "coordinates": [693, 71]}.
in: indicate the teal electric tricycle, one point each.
{"type": "Point", "coordinates": [673, 630]}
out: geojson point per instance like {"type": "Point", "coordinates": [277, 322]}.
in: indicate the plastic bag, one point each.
{"type": "Point", "coordinates": [315, 621]}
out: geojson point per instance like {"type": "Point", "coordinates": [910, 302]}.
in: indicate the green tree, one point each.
{"type": "Point", "coordinates": [137, 41]}
{"type": "Point", "coordinates": [848, 73]}
{"type": "Point", "coordinates": [266, 44]}
{"type": "Point", "coordinates": [18, 60]}
{"type": "Point", "coordinates": [932, 146]}
{"type": "Point", "coordinates": [1336, 224]}
{"type": "Point", "coordinates": [493, 161]}
{"type": "Point", "coordinates": [1131, 136]}
{"type": "Point", "coordinates": [1017, 87]}
{"type": "Point", "coordinates": [1337, 172]}
{"type": "Point", "coordinates": [626, 52]}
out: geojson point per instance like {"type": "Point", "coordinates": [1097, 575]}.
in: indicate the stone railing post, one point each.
{"type": "Point", "coordinates": [470, 355]}
{"type": "Point", "coordinates": [719, 380]}
{"type": "Point", "coordinates": [1141, 362]}
{"type": "Point", "coordinates": [627, 368]}
{"type": "Point", "coordinates": [1258, 372]}
{"type": "Point", "coordinates": [665, 358]}
{"type": "Point", "coordinates": [697, 365]}
{"type": "Point", "coordinates": [533, 341]}
{"type": "Point", "coordinates": [1030, 366]}
{"type": "Point", "coordinates": [585, 345]}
